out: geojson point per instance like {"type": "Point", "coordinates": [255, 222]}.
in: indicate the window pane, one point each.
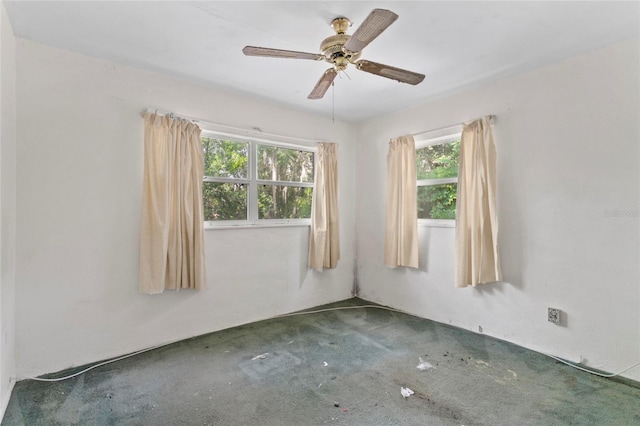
{"type": "Point", "coordinates": [224, 158]}
{"type": "Point", "coordinates": [438, 161]}
{"type": "Point", "coordinates": [224, 201]}
{"type": "Point", "coordinates": [284, 202]}
{"type": "Point", "coordinates": [437, 201]}
{"type": "Point", "coordinates": [283, 164]}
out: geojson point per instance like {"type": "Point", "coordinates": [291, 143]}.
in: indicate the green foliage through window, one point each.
{"type": "Point", "coordinates": [437, 199]}
{"type": "Point", "coordinates": [284, 202]}
{"type": "Point", "coordinates": [281, 178]}
{"type": "Point", "coordinates": [224, 201]}
{"type": "Point", "coordinates": [284, 164]}
{"type": "Point", "coordinates": [438, 161]}
{"type": "Point", "coordinates": [224, 158]}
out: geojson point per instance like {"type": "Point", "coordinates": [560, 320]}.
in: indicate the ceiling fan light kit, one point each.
{"type": "Point", "coordinates": [343, 49]}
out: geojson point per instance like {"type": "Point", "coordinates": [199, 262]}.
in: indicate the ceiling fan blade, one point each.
{"type": "Point", "coordinates": [377, 21]}
{"type": "Point", "coordinates": [323, 84]}
{"type": "Point", "coordinates": [279, 53]}
{"type": "Point", "coordinates": [388, 71]}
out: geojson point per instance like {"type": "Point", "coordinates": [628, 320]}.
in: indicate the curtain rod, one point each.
{"type": "Point", "coordinates": [492, 118]}
{"type": "Point", "coordinates": [255, 130]}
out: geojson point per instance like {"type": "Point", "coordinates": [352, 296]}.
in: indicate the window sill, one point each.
{"type": "Point", "coordinates": [437, 223]}
{"type": "Point", "coordinates": [208, 226]}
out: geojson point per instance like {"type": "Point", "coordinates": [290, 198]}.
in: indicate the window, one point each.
{"type": "Point", "coordinates": [437, 178]}
{"type": "Point", "coordinates": [253, 182]}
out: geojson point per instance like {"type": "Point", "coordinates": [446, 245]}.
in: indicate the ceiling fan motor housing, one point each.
{"type": "Point", "coordinates": [332, 47]}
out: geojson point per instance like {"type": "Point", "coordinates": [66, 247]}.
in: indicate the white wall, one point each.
{"type": "Point", "coordinates": [568, 151]}
{"type": "Point", "coordinates": [567, 138]}
{"type": "Point", "coordinates": [79, 198]}
{"type": "Point", "coordinates": [7, 208]}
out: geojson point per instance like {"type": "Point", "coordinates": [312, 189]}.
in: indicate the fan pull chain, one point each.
{"type": "Point", "coordinates": [333, 100]}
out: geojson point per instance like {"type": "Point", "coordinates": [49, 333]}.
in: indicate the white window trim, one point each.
{"type": "Point", "coordinates": [252, 183]}
{"type": "Point", "coordinates": [430, 139]}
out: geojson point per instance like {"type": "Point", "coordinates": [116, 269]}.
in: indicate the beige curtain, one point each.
{"type": "Point", "coordinates": [324, 240]}
{"type": "Point", "coordinates": [172, 234]}
{"type": "Point", "coordinates": [477, 260]}
{"type": "Point", "coordinates": [401, 236]}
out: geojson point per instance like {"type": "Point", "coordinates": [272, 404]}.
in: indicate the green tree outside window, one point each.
{"type": "Point", "coordinates": [283, 179]}
{"type": "Point", "coordinates": [437, 201]}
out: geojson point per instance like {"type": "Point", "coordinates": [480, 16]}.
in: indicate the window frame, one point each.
{"type": "Point", "coordinates": [431, 139]}
{"type": "Point", "coordinates": [253, 183]}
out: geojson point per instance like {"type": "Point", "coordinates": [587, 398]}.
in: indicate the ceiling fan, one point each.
{"type": "Point", "coordinates": [342, 49]}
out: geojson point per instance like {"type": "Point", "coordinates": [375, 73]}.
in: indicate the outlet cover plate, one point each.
{"type": "Point", "coordinates": [553, 315]}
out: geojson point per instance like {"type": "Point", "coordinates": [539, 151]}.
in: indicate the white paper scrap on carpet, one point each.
{"type": "Point", "coordinates": [406, 392]}
{"type": "Point", "coordinates": [424, 365]}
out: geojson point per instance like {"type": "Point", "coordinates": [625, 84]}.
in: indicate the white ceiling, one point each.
{"type": "Point", "coordinates": [456, 44]}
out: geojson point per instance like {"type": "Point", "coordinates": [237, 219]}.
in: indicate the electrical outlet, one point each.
{"type": "Point", "coordinates": [553, 315]}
